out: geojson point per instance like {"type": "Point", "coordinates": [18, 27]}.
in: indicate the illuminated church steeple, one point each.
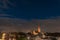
{"type": "Point", "coordinates": [38, 29]}
{"type": "Point", "coordinates": [35, 32]}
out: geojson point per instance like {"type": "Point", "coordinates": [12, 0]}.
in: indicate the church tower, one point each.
{"type": "Point", "coordinates": [38, 29]}
{"type": "Point", "coordinates": [35, 32]}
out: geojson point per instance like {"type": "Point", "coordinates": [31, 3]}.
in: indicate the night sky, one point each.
{"type": "Point", "coordinates": [31, 12]}
{"type": "Point", "coordinates": [34, 9]}
{"type": "Point", "coordinates": [38, 9]}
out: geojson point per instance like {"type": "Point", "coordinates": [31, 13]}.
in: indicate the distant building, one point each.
{"type": "Point", "coordinates": [5, 36]}
{"type": "Point", "coordinates": [58, 38]}
{"type": "Point", "coordinates": [37, 38]}
{"type": "Point", "coordinates": [38, 32]}
{"type": "Point", "coordinates": [12, 36]}
{"type": "Point", "coordinates": [35, 32]}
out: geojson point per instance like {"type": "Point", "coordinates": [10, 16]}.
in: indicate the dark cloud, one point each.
{"type": "Point", "coordinates": [1, 14]}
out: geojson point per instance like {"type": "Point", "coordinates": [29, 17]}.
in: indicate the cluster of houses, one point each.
{"type": "Point", "coordinates": [33, 35]}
